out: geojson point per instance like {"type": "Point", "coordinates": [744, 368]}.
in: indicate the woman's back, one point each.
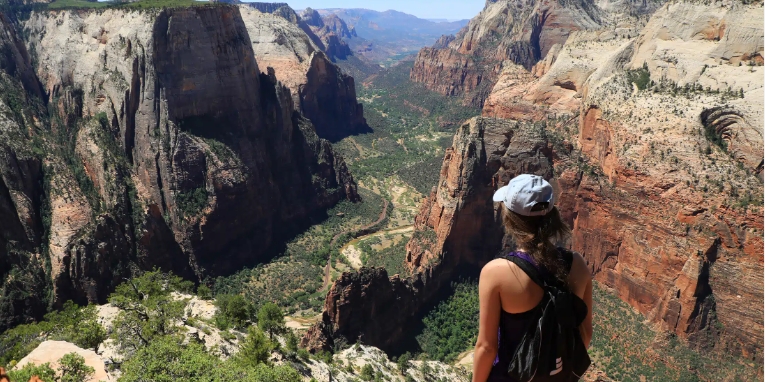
{"type": "Point", "coordinates": [507, 295]}
{"type": "Point", "coordinates": [520, 298]}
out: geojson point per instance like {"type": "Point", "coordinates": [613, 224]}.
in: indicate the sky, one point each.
{"type": "Point", "coordinates": [425, 9]}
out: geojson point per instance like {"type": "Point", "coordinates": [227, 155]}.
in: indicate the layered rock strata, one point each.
{"type": "Point", "coordinates": [457, 227]}
{"type": "Point", "coordinates": [522, 33]}
{"type": "Point", "coordinates": [166, 147]}
{"type": "Point", "coordinates": [303, 63]}
{"type": "Point", "coordinates": [652, 138]}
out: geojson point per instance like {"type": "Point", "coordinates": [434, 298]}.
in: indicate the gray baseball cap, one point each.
{"type": "Point", "coordinates": [527, 195]}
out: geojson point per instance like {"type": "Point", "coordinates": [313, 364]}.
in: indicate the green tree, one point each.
{"type": "Point", "coordinates": [16, 343]}
{"type": "Point", "coordinates": [271, 319]}
{"type": "Point", "coordinates": [403, 362]}
{"type": "Point", "coordinates": [166, 359]}
{"type": "Point", "coordinates": [77, 325]}
{"type": "Point", "coordinates": [147, 309]}
{"type": "Point", "coordinates": [451, 327]}
{"type": "Point", "coordinates": [73, 324]}
{"type": "Point", "coordinates": [256, 348]}
{"type": "Point", "coordinates": [233, 311]}
{"type": "Point", "coordinates": [43, 371]}
{"type": "Point", "coordinates": [292, 342]}
{"type": "Point", "coordinates": [204, 292]}
{"type": "Point", "coordinates": [367, 373]}
{"type": "Point", "coordinates": [73, 368]}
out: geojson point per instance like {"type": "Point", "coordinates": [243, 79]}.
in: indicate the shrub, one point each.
{"type": "Point", "coordinates": [271, 319]}
{"type": "Point", "coordinates": [148, 310]}
{"type": "Point", "coordinates": [255, 349]}
{"type": "Point", "coordinates": [74, 369]}
{"type": "Point", "coordinates": [44, 372]}
{"type": "Point", "coordinates": [367, 373]}
{"type": "Point", "coordinates": [233, 311]}
{"type": "Point", "coordinates": [204, 292]}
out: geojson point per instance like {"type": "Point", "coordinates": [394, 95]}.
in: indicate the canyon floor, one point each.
{"type": "Point", "coordinates": [398, 163]}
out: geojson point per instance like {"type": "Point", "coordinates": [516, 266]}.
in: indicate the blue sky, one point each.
{"type": "Point", "coordinates": [426, 9]}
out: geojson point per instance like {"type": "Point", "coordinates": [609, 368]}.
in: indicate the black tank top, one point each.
{"type": "Point", "coordinates": [512, 326]}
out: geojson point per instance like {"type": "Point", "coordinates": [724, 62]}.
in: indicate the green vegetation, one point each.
{"type": "Point", "coordinates": [271, 319]}
{"type": "Point", "coordinates": [233, 311]}
{"type": "Point", "coordinates": [78, 4]}
{"type": "Point", "coordinates": [150, 333]}
{"type": "Point", "coordinates": [640, 77]}
{"type": "Point", "coordinates": [74, 369]}
{"type": "Point", "coordinates": [72, 324]}
{"type": "Point", "coordinates": [148, 310]}
{"type": "Point", "coordinates": [293, 279]}
{"type": "Point", "coordinates": [168, 359]}
{"type": "Point", "coordinates": [191, 203]}
{"type": "Point", "coordinates": [452, 326]}
{"type": "Point", "coordinates": [411, 127]}
{"type": "Point", "coordinates": [391, 258]}
{"type": "Point", "coordinates": [43, 372]}
{"type": "Point", "coordinates": [628, 349]}
{"type": "Point", "coordinates": [255, 349]}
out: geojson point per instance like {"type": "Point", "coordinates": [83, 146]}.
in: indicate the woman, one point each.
{"type": "Point", "coordinates": [507, 295]}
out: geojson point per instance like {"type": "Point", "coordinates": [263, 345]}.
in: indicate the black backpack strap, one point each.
{"type": "Point", "coordinates": [528, 268]}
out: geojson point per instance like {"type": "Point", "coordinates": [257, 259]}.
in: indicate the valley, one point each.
{"type": "Point", "coordinates": [305, 195]}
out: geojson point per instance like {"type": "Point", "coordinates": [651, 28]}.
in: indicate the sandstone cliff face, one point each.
{"type": "Point", "coordinates": [457, 227]}
{"type": "Point", "coordinates": [661, 185]}
{"type": "Point", "coordinates": [332, 31]}
{"type": "Point", "coordinates": [298, 57]}
{"type": "Point", "coordinates": [673, 230]}
{"type": "Point", "coordinates": [21, 191]}
{"type": "Point", "coordinates": [517, 32]}
{"type": "Point", "coordinates": [167, 147]}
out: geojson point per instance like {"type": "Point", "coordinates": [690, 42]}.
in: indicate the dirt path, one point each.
{"type": "Point", "coordinates": [328, 268]}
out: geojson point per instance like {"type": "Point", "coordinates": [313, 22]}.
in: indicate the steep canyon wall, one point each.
{"type": "Point", "coordinates": [652, 136]}
{"type": "Point", "coordinates": [163, 144]}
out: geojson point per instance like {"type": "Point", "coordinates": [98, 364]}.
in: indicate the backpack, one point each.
{"type": "Point", "coordinates": [552, 350]}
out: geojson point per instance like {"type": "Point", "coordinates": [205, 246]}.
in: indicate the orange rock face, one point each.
{"type": "Point", "coordinates": [470, 64]}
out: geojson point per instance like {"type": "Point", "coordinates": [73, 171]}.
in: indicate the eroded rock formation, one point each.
{"type": "Point", "coordinates": [302, 61]}
{"type": "Point", "coordinates": [652, 136]}
{"type": "Point", "coordinates": [518, 32]}
{"type": "Point", "coordinates": [166, 147]}
{"type": "Point", "coordinates": [457, 227]}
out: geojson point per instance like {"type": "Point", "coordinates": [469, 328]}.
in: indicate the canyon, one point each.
{"type": "Point", "coordinates": [226, 143]}
{"type": "Point", "coordinates": [165, 139]}
{"type": "Point", "coordinates": [650, 129]}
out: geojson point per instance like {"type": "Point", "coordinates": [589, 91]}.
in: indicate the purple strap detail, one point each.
{"type": "Point", "coordinates": [525, 256]}
{"type": "Point", "coordinates": [499, 338]}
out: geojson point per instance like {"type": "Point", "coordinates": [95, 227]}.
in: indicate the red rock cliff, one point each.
{"type": "Point", "coordinates": [519, 32]}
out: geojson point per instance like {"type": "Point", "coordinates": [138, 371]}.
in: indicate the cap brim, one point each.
{"type": "Point", "coordinates": [499, 195]}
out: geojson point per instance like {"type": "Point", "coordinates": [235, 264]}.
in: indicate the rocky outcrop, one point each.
{"type": "Point", "coordinates": [457, 228]}
{"type": "Point", "coordinates": [521, 33]}
{"type": "Point", "coordinates": [331, 30]}
{"type": "Point", "coordinates": [267, 7]}
{"type": "Point", "coordinates": [50, 352]}
{"type": "Point", "coordinates": [167, 147]}
{"type": "Point", "coordinates": [648, 150]}
{"type": "Point", "coordinates": [303, 62]}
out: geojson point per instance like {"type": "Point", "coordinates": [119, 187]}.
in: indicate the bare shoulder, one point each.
{"type": "Point", "coordinates": [495, 268]}
{"type": "Point", "coordinates": [580, 274]}
{"type": "Point", "coordinates": [579, 266]}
